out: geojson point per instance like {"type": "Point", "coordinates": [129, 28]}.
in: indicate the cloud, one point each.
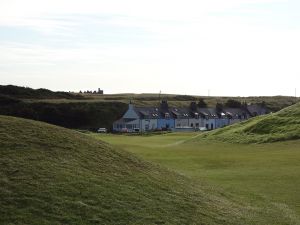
{"type": "Point", "coordinates": [211, 44]}
{"type": "Point", "coordinates": [12, 12]}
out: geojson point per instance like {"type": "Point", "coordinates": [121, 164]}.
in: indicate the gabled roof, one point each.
{"type": "Point", "coordinates": [235, 112]}
{"type": "Point", "coordinates": [181, 113]}
{"type": "Point", "coordinates": [122, 121]}
{"type": "Point", "coordinates": [208, 112]}
{"type": "Point", "coordinates": [148, 112]}
{"type": "Point", "coordinates": [131, 113]}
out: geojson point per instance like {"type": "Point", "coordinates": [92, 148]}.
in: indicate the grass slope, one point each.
{"type": "Point", "coordinates": [281, 126]}
{"type": "Point", "coordinates": [52, 175]}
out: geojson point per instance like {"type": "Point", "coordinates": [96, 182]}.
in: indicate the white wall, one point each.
{"type": "Point", "coordinates": [221, 122]}
{"type": "Point", "coordinates": [129, 125]}
{"type": "Point", "coordinates": [209, 122]}
{"type": "Point", "coordinates": [195, 122]}
{"type": "Point", "coordinates": [181, 122]}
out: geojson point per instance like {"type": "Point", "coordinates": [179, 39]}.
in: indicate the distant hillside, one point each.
{"type": "Point", "coordinates": [52, 175]}
{"type": "Point", "coordinates": [29, 93]}
{"type": "Point", "coordinates": [273, 103]}
{"type": "Point", "coordinates": [91, 111]}
{"type": "Point", "coordinates": [280, 126]}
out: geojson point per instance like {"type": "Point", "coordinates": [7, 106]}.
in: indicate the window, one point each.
{"type": "Point", "coordinates": [192, 125]}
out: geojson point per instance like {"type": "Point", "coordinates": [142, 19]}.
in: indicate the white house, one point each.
{"type": "Point", "coordinates": [129, 122]}
{"type": "Point", "coordinates": [148, 118]}
{"type": "Point", "coordinates": [181, 117]}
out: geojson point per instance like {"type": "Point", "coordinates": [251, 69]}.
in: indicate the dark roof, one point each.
{"type": "Point", "coordinates": [208, 112]}
{"type": "Point", "coordinates": [148, 112]}
{"type": "Point", "coordinates": [122, 120]}
{"type": "Point", "coordinates": [181, 113]}
{"type": "Point", "coordinates": [235, 112]}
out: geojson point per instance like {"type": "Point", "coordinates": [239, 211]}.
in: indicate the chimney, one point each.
{"type": "Point", "coordinates": [164, 104]}
{"type": "Point", "coordinates": [193, 106]}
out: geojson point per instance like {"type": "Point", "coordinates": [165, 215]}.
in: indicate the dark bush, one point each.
{"type": "Point", "coordinates": [79, 115]}
{"type": "Point", "coordinates": [233, 103]}
{"type": "Point", "coordinates": [25, 92]}
{"type": "Point", "coordinates": [202, 103]}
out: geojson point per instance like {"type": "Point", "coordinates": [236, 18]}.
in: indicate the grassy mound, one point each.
{"type": "Point", "coordinates": [52, 175]}
{"type": "Point", "coordinates": [281, 126]}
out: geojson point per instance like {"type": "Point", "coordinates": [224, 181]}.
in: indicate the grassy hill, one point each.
{"type": "Point", "coordinates": [52, 175]}
{"type": "Point", "coordinates": [273, 103]}
{"type": "Point", "coordinates": [281, 126]}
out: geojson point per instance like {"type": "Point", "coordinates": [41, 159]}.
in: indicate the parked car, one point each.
{"type": "Point", "coordinates": [124, 130]}
{"type": "Point", "coordinates": [102, 130]}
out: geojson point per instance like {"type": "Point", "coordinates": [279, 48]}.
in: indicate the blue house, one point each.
{"type": "Point", "coordinates": [166, 118]}
{"type": "Point", "coordinates": [143, 119]}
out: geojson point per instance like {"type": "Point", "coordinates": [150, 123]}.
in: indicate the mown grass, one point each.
{"type": "Point", "coordinates": [259, 174]}
{"type": "Point", "coordinates": [52, 175]}
{"type": "Point", "coordinates": [281, 126]}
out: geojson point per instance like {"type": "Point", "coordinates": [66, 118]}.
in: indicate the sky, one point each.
{"type": "Point", "coordinates": [193, 47]}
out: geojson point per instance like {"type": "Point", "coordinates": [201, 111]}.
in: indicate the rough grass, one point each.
{"type": "Point", "coordinates": [281, 126]}
{"type": "Point", "coordinates": [274, 103]}
{"type": "Point", "coordinates": [52, 175]}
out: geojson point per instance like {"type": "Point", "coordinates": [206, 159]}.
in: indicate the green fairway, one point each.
{"type": "Point", "coordinates": [258, 173]}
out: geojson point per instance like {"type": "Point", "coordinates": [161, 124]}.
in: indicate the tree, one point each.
{"type": "Point", "coordinates": [202, 103]}
{"type": "Point", "coordinates": [193, 106]}
{"type": "Point", "coordinates": [219, 107]}
{"type": "Point", "coordinates": [231, 103]}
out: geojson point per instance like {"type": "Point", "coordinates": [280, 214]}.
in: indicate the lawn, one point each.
{"type": "Point", "coordinates": [258, 173]}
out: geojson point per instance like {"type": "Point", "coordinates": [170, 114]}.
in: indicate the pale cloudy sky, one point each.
{"type": "Point", "coordinates": [232, 47]}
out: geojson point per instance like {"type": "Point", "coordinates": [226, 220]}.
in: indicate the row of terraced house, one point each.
{"type": "Point", "coordinates": [143, 119]}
